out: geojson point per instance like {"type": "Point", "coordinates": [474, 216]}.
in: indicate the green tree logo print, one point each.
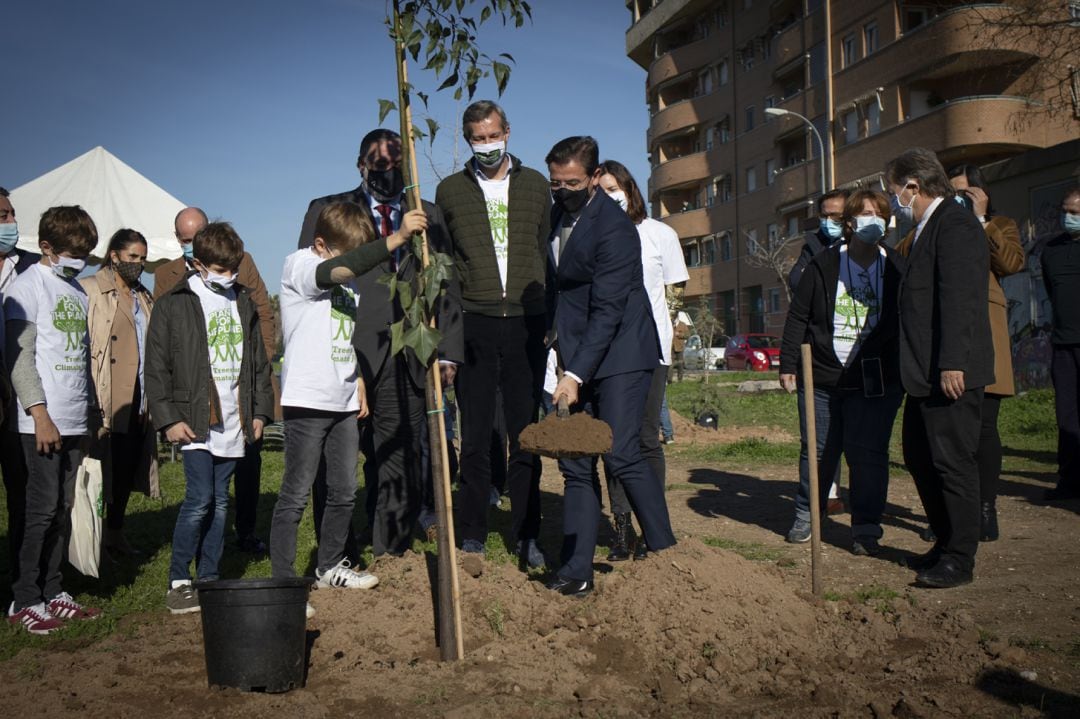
{"type": "Point", "coordinates": [70, 318]}
{"type": "Point", "coordinates": [342, 314]}
{"type": "Point", "coordinates": [224, 335]}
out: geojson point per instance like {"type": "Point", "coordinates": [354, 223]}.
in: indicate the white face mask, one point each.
{"type": "Point", "coordinates": [217, 283]}
{"type": "Point", "coordinates": [490, 154]}
{"type": "Point", "coordinates": [67, 267]}
{"type": "Point", "coordinates": [620, 197]}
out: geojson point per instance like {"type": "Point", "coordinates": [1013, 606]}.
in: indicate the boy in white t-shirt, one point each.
{"type": "Point", "coordinates": [47, 352]}
{"type": "Point", "coordinates": [322, 396]}
{"type": "Point", "coordinates": [208, 388]}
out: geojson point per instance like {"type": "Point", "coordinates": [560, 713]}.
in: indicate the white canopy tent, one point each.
{"type": "Point", "coordinates": [114, 194]}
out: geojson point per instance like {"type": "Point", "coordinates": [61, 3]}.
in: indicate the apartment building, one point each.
{"type": "Point", "coordinates": [871, 78]}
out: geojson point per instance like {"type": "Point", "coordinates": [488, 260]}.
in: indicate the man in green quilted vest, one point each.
{"type": "Point", "coordinates": [498, 213]}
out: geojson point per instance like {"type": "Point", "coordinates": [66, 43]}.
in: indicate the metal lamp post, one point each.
{"type": "Point", "coordinates": [778, 112]}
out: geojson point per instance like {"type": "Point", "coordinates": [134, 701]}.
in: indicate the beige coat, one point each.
{"type": "Point", "coordinates": [1006, 258]}
{"type": "Point", "coordinates": [114, 366]}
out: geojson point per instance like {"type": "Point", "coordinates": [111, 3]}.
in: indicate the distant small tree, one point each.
{"type": "Point", "coordinates": [777, 255]}
{"type": "Point", "coordinates": [707, 328]}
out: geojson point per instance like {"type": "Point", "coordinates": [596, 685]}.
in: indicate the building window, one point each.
{"type": "Point", "coordinates": [721, 15]}
{"type": "Point", "coordinates": [817, 63]}
{"type": "Point", "coordinates": [724, 128]}
{"type": "Point", "coordinates": [725, 247]}
{"type": "Point", "coordinates": [873, 118]}
{"type": "Point", "coordinates": [770, 171]}
{"type": "Point", "coordinates": [870, 37]}
{"type": "Point", "coordinates": [847, 45]}
{"type": "Point", "coordinates": [774, 299]}
{"type": "Point", "coordinates": [724, 188]}
{"type": "Point", "coordinates": [690, 254]}
{"type": "Point", "coordinates": [792, 226]}
{"type": "Point", "coordinates": [772, 232]}
{"type": "Point", "coordinates": [915, 16]}
{"type": "Point", "coordinates": [749, 119]}
{"type": "Point", "coordinates": [710, 133]}
{"type": "Point", "coordinates": [850, 121]}
{"type": "Point", "coordinates": [708, 250]}
{"type": "Point", "coordinates": [770, 101]}
{"type": "Point", "coordinates": [1074, 12]}
{"type": "Point", "coordinates": [751, 179]}
{"type": "Point", "coordinates": [705, 82]}
{"type": "Point", "coordinates": [747, 4]}
{"type": "Point", "coordinates": [751, 242]}
{"type": "Point", "coordinates": [745, 57]}
{"type": "Point", "coordinates": [722, 71]}
{"type": "Point", "coordinates": [766, 48]}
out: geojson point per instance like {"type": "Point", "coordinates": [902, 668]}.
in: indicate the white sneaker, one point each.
{"type": "Point", "coordinates": [309, 611]}
{"type": "Point", "coordinates": [342, 575]}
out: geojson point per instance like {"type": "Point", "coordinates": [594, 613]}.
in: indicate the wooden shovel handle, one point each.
{"type": "Point", "coordinates": [562, 411]}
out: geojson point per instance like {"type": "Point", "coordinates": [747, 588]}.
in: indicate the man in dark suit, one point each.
{"type": "Point", "coordinates": [608, 345]}
{"type": "Point", "coordinates": [248, 475]}
{"type": "Point", "coordinates": [946, 359]}
{"type": "Point", "coordinates": [391, 438]}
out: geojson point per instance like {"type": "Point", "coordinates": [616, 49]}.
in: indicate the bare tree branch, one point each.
{"type": "Point", "coordinates": [775, 255]}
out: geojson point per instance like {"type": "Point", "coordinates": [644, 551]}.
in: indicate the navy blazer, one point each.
{"type": "Point", "coordinates": [596, 295]}
{"type": "Point", "coordinates": [944, 315]}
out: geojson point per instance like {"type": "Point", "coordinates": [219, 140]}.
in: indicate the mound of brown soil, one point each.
{"type": "Point", "coordinates": [578, 435]}
{"type": "Point", "coordinates": [691, 630]}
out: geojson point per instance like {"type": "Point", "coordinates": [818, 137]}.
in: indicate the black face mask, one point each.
{"type": "Point", "coordinates": [130, 272]}
{"type": "Point", "coordinates": [571, 201]}
{"type": "Point", "coordinates": [386, 184]}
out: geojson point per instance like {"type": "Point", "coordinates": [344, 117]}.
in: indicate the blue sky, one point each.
{"type": "Point", "coordinates": [251, 109]}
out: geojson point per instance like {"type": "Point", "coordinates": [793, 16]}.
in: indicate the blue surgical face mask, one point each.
{"type": "Point", "coordinates": [67, 267]}
{"type": "Point", "coordinates": [832, 229]}
{"type": "Point", "coordinates": [188, 248]}
{"type": "Point", "coordinates": [904, 214]}
{"type": "Point", "coordinates": [9, 237]}
{"type": "Point", "coordinates": [869, 228]}
{"type": "Point", "coordinates": [1071, 223]}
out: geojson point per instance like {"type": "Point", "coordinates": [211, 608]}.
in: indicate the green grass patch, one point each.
{"type": "Point", "coordinates": [747, 449]}
{"type": "Point", "coordinates": [754, 551]}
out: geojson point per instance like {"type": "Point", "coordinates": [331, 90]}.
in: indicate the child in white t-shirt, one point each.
{"type": "Point", "coordinates": [322, 396]}
{"type": "Point", "coordinates": [48, 357]}
{"type": "Point", "coordinates": [208, 388]}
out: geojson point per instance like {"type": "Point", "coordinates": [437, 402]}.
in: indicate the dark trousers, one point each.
{"type": "Point", "coordinates": [125, 452]}
{"type": "Point", "coordinates": [246, 489]}
{"type": "Point", "coordinates": [1064, 373]}
{"type": "Point", "coordinates": [989, 456]}
{"type": "Point", "coordinates": [941, 439]}
{"type": "Point", "coordinates": [505, 353]}
{"type": "Point", "coordinates": [857, 427]}
{"type": "Point", "coordinates": [200, 524]}
{"type": "Point", "coordinates": [827, 480]}
{"type": "Point", "coordinates": [13, 466]}
{"type": "Point", "coordinates": [618, 400]}
{"type": "Point", "coordinates": [651, 449]}
{"type": "Point", "coordinates": [390, 440]}
{"type": "Point", "coordinates": [314, 438]}
{"type": "Point", "coordinates": [50, 492]}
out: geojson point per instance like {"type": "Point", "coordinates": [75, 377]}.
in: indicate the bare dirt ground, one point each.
{"type": "Point", "coordinates": [698, 630]}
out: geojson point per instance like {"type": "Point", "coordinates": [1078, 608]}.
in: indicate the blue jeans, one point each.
{"type": "Point", "coordinates": [201, 521]}
{"type": "Point", "coordinates": [665, 420]}
{"type": "Point", "coordinates": [859, 428]}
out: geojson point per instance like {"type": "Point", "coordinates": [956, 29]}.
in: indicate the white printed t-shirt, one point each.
{"type": "Point", "coordinates": [225, 340]}
{"type": "Point", "coordinates": [319, 371]}
{"type": "Point", "coordinates": [497, 198]}
{"type": "Point", "coordinates": [662, 264]}
{"type": "Point", "coordinates": [858, 303]}
{"type": "Point", "coordinates": [57, 307]}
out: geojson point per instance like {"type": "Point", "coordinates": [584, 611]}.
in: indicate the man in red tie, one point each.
{"type": "Point", "coordinates": [391, 438]}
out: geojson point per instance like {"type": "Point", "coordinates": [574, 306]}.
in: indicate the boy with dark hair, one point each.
{"type": "Point", "coordinates": [208, 388]}
{"type": "Point", "coordinates": [48, 357]}
{"type": "Point", "coordinates": [322, 397]}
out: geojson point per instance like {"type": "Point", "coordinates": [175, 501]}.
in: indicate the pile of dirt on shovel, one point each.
{"type": "Point", "coordinates": [578, 435]}
{"type": "Point", "coordinates": [691, 631]}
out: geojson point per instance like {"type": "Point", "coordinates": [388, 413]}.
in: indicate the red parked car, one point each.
{"type": "Point", "coordinates": [753, 351]}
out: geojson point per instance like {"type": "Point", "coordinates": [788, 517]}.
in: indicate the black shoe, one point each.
{"type": "Point", "coordinates": [927, 534]}
{"type": "Point", "coordinates": [1058, 493]}
{"type": "Point", "coordinates": [947, 573]}
{"type": "Point", "coordinates": [570, 587]}
{"type": "Point", "coordinates": [624, 537]}
{"type": "Point", "coordinates": [865, 547]}
{"type": "Point", "coordinates": [922, 562]}
{"type": "Point", "coordinates": [988, 524]}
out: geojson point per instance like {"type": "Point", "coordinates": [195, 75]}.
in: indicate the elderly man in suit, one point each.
{"type": "Point", "coordinates": [249, 469]}
{"type": "Point", "coordinates": [609, 348]}
{"type": "Point", "coordinates": [946, 359]}
{"type": "Point", "coordinates": [391, 438]}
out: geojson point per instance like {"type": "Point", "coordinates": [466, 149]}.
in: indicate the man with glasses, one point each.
{"type": "Point", "coordinates": [187, 223]}
{"type": "Point", "coordinates": [607, 342]}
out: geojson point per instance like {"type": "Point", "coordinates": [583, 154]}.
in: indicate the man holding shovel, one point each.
{"type": "Point", "coordinates": [608, 345]}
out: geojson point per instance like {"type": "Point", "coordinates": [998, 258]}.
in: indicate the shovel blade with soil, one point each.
{"type": "Point", "coordinates": [572, 436]}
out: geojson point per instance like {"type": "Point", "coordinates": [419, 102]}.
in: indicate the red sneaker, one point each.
{"type": "Point", "coordinates": [36, 619]}
{"type": "Point", "coordinates": [64, 606]}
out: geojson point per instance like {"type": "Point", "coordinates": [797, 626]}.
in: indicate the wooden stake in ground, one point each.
{"type": "Point", "coordinates": [812, 460]}
{"type": "Point", "coordinates": [451, 646]}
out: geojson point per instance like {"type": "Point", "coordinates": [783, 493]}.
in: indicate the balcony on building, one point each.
{"type": "Point", "coordinates": [652, 18]}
